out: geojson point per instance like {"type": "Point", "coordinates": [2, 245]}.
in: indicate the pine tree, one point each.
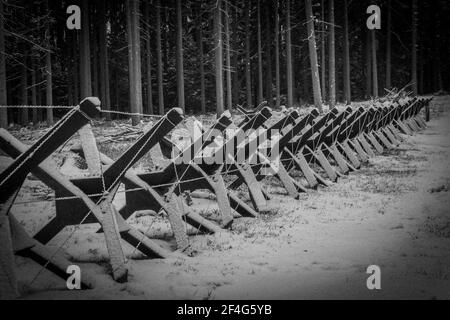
{"type": "Point", "coordinates": [228, 56]}
{"type": "Point", "coordinates": [134, 56]}
{"type": "Point", "coordinates": [313, 56]}
{"type": "Point", "coordinates": [200, 61]}
{"type": "Point", "coordinates": [179, 57]}
{"type": "Point", "coordinates": [159, 60]}
{"type": "Point", "coordinates": [332, 57]}
{"type": "Point", "coordinates": [415, 14]}
{"type": "Point", "coordinates": [248, 76]}
{"type": "Point", "coordinates": [105, 95]}
{"type": "Point", "coordinates": [323, 61]}
{"type": "Point", "coordinates": [3, 89]}
{"type": "Point", "coordinates": [347, 85]}
{"type": "Point", "coordinates": [374, 64]}
{"type": "Point", "coordinates": [277, 55]}
{"type": "Point", "coordinates": [389, 46]}
{"type": "Point", "coordinates": [259, 53]}
{"type": "Point", "coordinates": [218, 56]}
{"type": "Point", "coordinates": [290, 94]}
{"type": "Point", "coordinates": [148, 59]}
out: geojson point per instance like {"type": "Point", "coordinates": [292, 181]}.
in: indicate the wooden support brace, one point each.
{"type": "Point", "coordinates": [26, 247]}
{"type": "Point", "coordinates": [417, 121]}
{"type": "Point", "coordinates": [303, 166]}
{"type": "Point", "coordinates": [309, 154]}
{"type": "Point", "coordinates": [240, 207]}
{"type": "Point", "coordinates": [178, 204]}
{"type": "Point", "coordinates": [412, 125]}
{"type": "Point", "coordinates": [375, 142]}
{"type": "Point", "coordinates": [383, 139]}
{"type": "Point", "coordinates": [8, 281]}
{"type": "Point", "coordinates": [390, 136]}
{"type": "Point", "coordinates": [342, 164]}
{"type": "Point", "coordinates": [395, 132]}
{"type": "Point", "coordinates": [112, 237]}
{"type": "Point", "coordinates": [292, 187]}
{"type": "Point", "coordinates": [350, 155]}
{"type": "Point", "coordinates": [280, 172]}
{"type": "Point", "coordinates": [108, 222]}
{"type": "Point", "coordinates": [366, 146]}
{"type": "Point", "coordinates": [359, 150]}
{"type": "Point", "coordinates": [266, 195]}
{"type": "Point", "coordinates": [403, 127]}
{"type": "Point", "coordinates": [323, 161]}
{"type": "Point", "coordinates": [221, 192]}
{"type": "Point", "coordinates": [254, 187]}
{"type": "Point", "coordinates": [90, 150]}
{"type": "Point", "coordinates": [421, 122]}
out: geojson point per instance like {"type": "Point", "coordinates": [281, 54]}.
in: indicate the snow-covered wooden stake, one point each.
{"type": "Point", "coordinates": [109, 222]}
{"type": "Point", "coordinates": [8, 280]}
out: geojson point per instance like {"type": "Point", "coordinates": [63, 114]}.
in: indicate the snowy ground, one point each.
{"type": "Point", "coordinates": [393, 213]}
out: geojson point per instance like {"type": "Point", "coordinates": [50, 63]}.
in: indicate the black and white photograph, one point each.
{"type": "Point", "coordinates": [224, 155]}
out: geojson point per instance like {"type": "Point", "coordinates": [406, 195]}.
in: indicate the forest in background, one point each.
{"type": "Point", "coordinates": [207, 56]}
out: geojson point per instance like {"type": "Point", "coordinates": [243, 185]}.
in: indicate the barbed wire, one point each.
{"type": "Point", "coordinates": [63, 107]}
{"type": "Point", "coordinates": [165, 185]}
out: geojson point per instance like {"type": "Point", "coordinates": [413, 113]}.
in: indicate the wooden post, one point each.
{"type": "Point", "coordinates": [8, 281]}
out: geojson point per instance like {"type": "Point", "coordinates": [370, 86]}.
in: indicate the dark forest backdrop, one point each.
{"type": "Point", "coordinates": [207, 56]}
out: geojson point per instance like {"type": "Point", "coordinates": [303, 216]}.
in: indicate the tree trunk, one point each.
{"type": "Point", "coordinates": [277, 55]}
{"type": "Point", "coordinates": [368, 64]}
{"type": "Point", "coordinates": [269, 41]}
{"type": "Point", "coordinates": [159, 59]}
{"type": "Point", "coordinates": [3, 90]}
{"type": "Point", "coordinates": [389, 46]}
{"type": "Point", "coordinates": [75, 76]}
{"type": "Point", "coordinates": [180, 67]}
{"type": "Point", "coordinates": [374, 64]}
{"type": "Point", "coordinates": [437, 85]}
{"type": "Point", "coordinates": [331, 58]}
{"type": "Point", "coordinates": [347, 85]}
{"type": "Point", "coordinates": [219, 56]}
{"type": "Point", "coordinates": [49, 87]}
{"type": "Point", "coordinates": [39, 102]}
{"type": "Point", "coordinates": [290, 89]}
{"type": "Point", "coordinates": [134, 56]}
{"type": "Point", "coordinates": [94, 52]}
{"type": "Point", "coordinates": [228, 57]}
{"type": "Point", "coordinates": [69, 70]}
{"type": "Point", "coordinates": [200, 62]}
{"type": "Point", "coordinates": [116, 90]}
{"type": "Point", "coordinates": [415, 14]}
{"type": "Point", "coordinates": [85, 53]}
{"type": "Point", "coordinates": [166, 38]}
{"type": "Point", "coordinates": [23, 89]}
{"type": "Point", "coordinates": [34, 92]}
{"type": "Point", "coordinates": [104, 59]}
{"type": "Point", "coordinates": [148, 59]}
{"type": "Point", "coordinates": [235, 59]}
{"type": "Point", "coordinates": [260, 72]}
{"type": "Point", "coordinates": [248, 75]}
{"type": "Point", "coordinates": [49, 72]}
{"type": "Point", "coordinates": [313, 56]}
{"type": "Point", "coordinates": [131, 57]}
{"type": "Point", "coordinates": [323, 54]}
